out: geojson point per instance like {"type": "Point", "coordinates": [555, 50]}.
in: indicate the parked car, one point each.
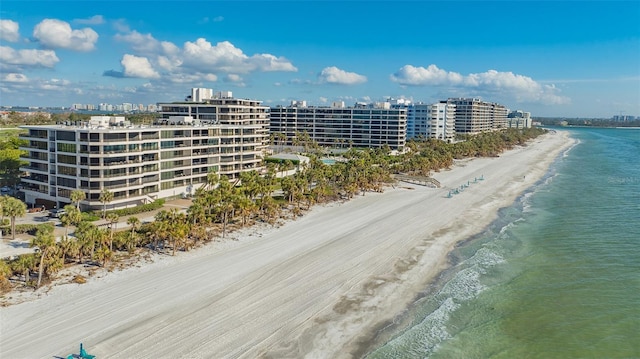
{"type": "Point", "coordinates": [56, 213]}
{"type": "Point", "coordinates": [5, 189]}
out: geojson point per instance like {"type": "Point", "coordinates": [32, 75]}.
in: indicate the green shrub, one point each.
{"type": "Point", "coordinates": [90, 216]}
{"type": "Point", "coordinates": [280, 160]}
{"type": "Point", "coordinates": [124, 212]}
{"type": "Point", "coordinates": [30, 229]}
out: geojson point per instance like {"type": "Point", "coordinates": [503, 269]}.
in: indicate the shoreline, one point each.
{"type": "Point", "coordinates": [271, 294]}
{"type": "Point", "coordinates": [375, 337]}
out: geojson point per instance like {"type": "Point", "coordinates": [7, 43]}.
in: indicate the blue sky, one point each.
{"type": "Point", "coordinates": [573, 59]}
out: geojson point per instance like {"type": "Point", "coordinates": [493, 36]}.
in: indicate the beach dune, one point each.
{"type": "Point", "coordinates": [312, 288]}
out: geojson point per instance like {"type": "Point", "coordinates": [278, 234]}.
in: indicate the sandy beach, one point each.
{"type": "Point", "coordinates": [315, 287]}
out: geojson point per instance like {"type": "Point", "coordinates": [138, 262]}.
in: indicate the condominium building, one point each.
{"type": "Point", "coordinates": [221, 108]}
{"type": "Point", "coordinates": [474, 115]}
{"type": "Point", "coordinates": [429, 120]}
{"type": "Point", "coordinates": [363, 125]}
{"type": "Point", "coordinates": [138, 164]}
{"type": "Point", "coordinates": [519, 119]}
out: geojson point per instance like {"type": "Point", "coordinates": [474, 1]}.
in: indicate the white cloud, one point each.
{"type": "Point", "coordinates": [9, 30]}
{"type": "Point", "coordinates": [135, 66]}
{"type": "Point", "coordinates": [121, 25]}
{"type": "Point", "coordinates": [142, 43]}
{"type": "Point", "coordinates": [522, 88]}
{"type": "Point", "coordinates": [225, 57]}
{"type": "Point", "coordinates": [58, 34]}
{"type": "Point", "coordinates": [233, 78]}
{"type": "Point", "coordinates": [335, 75]}
{"type": "Point", "coordinates": [432, 75]}
{"type": "Point", "coordinates": [222, 57]}
{"type": "Point", "coordinates": [268, 63]}
{"type": "Point", "coordinates": [14, 77]}
{"type": "Point", "coordinates": [193, 63]}
{"type": "Point", "coordinates": [27, 57]}
{"type": "Point", "coordinates": [94, 20]}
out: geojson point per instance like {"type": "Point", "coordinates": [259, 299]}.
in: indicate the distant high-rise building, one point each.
{"type": "Point", "coordinates": [200, 94]}
{"type": "Point", "coordinates": [362, 125]}
{"type": "Point", "coordinates": [429, 120]}
{"type": "Point", "coordinates": [519, 119]}
{"type": "Point", "coordinates": [474, 115]}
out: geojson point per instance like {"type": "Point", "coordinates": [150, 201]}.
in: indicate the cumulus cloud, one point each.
{"type": "Point", "coordinates": [194, 61]}
{"type": "Point", "coordinates": [142, 43]}
{"type": "Point", "coordinates": [54, 33]}
{"type": "Point", "coordinates": [135, 66]}
{"type": "Point", "coordinates": [522, 88]}
{"type": "Point", "coordinates": [334, 75]}
{"type": "Point", "coordinates": [9, 30]}
{"type": "Point", "coordinates": [431, 75]}
{"type": "Point", "coordinates": [233, 78]}
{"type": "Point", "coordinates": [27, 57]}
{"type": "Point", "coordinates": [14, 77]}
{"type": "Point", "coordinates": [94, 20]}
{"type": "Point", "coordinates": [225, 57]}
{"type": "Point", "coordinates": [268, 63]}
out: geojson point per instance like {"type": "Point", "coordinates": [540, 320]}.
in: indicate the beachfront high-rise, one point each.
{"type": "Point", "coordinates": [361, 125]}
{"type": "Point", "coordinates": [519, 119]}
{"type": "Point", "coordinates": [140, 164]}
{"type": "Point", "coordinates": [435, 120]}
{"type": "Point", "coordinates": [474, 115]}
{"type": "Point", "coordinates": [221, 108]}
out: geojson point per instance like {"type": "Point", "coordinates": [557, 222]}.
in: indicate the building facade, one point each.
{"type": "Point", "coordinates": [475, 116]}
{"type": "Point", "coordinates": [138, 164]}
{"type": "Point", "coordinates": [519, 119]}
{"type": "Point", "coordinates": [221, 108]}
{"type": "Point", "coordinates": [361, 126]}
{"type": "Point", "coordinates": [435, 120]}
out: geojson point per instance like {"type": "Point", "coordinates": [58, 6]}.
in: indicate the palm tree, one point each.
{"type": "Point", "coordinates": [45, 241]}
{"type": "Point", "coordinates": [103, 254]}
{"type": "Point", "coordinates": [77, 196]}
{"type": "Point", "coordinates": [134, 223]}
{"type": "Point", "coordinates": [105, 197]}
{"type": "Point", "coordinates": [72, 216]}
{"type": "Point", "coordinates": [13, 208]}
{"type": "Point", "coordinates": [68, 247]}
{"type": "Point", "coordinates": [24, 264]}
{"type": "Point", "coordinates": [85, 234]}
{"type": "Point", "coordinates": [113, 223]}
{"type": "Point", "coordinates": [5, 273]}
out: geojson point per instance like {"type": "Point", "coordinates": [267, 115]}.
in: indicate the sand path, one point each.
{"type": "Point", "coordinates": [312, 288]}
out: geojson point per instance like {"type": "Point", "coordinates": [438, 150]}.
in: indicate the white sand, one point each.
{"type": "Point", "coordinates": [310, 288]}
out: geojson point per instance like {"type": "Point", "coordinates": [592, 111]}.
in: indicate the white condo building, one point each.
{"type": "Point", "coordinates": [140, 164]}
{"type": "Point", "coordinates": [474, 115]}
{"type": "Point", "coordinates": [435, 120]}
{"type": "Point", "coordinates": [519, 119]}
{"type": "Point", "coordinates": [363, 125]}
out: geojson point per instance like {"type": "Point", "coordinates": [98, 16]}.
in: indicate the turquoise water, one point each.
{"type": "Point", "coordinates": [557, 276]}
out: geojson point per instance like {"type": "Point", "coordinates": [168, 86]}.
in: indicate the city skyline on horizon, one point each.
{"type": "Point", "coordinates": [553, 59]}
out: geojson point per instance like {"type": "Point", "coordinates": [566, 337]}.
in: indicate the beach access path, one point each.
{"type": "Point", "coordinates": [315, 287]}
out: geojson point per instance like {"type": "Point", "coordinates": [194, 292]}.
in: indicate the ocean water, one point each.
{"type": "Point", "coordinates": [556, 276]}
